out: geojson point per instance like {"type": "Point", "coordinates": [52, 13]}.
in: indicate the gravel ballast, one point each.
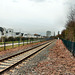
{"type": "Point", "coordinates": [27, 67]}
{"type": "Point", "coordinates": [13, 51]}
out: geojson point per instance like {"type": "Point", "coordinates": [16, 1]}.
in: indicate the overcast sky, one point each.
{"type": "Point", "coordinates": [34, 16]}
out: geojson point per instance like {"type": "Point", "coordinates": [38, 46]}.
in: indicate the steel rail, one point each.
{"type": "Point", "coordinates": [24, 50]}
{"type": "Point", "coordinates": [9, 62]}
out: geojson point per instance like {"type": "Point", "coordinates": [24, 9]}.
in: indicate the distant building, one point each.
{"type": "Point", "coordinates": [27, 35]}
{"type": "Point", "coordinates": [6, 32]}
{"type": "Point", "coordinates": [9, 33]}
{"type": "Point", "coordinates": [17, 34]}
{"type": "Point", "coordinates": [37, 35]}
{"type": "Point", "coordinates": [22, 34]}
{"type": "Point", "coordinates": [1, 29]}
{"type": "Point", "coordinates": [48, 33]}
{"type": "Point", "coordinates": [2, 32]}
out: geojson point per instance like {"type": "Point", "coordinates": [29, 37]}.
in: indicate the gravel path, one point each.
{"type": "Point", "coordinates": [27, 67]}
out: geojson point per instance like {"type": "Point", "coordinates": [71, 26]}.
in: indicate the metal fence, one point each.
{"type": "Point", "coordinates": [70, 45]}
{"type": "Point", "coordinates": [5, 44]}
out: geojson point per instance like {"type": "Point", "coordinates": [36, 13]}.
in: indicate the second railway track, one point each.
{"type": "Point", "coordinates": [9, 62]}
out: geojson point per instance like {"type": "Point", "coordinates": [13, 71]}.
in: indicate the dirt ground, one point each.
{"type": "Point", "coordinates": [59, 62]}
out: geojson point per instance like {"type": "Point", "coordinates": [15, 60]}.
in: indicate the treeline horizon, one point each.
{"type": "Point", "coordinates": [69, 32]}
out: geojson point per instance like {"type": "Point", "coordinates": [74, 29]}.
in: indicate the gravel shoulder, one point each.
{"type": "Point", "coordinates": [60, 62]}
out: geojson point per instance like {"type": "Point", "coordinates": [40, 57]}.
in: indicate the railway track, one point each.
{"type": "Point", "coordinates": [11, 61]}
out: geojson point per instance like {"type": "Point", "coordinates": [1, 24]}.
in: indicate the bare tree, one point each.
{"type": "Point", "coordinates": [70, 26]}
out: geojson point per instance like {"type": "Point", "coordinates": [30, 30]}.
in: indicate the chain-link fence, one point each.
{"type": "Point", "coordinates": [70, 45]}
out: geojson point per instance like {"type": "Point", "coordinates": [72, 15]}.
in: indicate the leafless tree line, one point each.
{"type": "Point", "coordinates": [69, 32]}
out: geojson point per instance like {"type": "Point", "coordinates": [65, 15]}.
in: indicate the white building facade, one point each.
{"type": "Point", "coordinates": [10, 33]}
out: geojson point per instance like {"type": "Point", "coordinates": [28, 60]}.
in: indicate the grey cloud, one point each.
{"type": "Point", "coordinates": [38, 0]}
{"type": "Point", "coordinates": [29, 16]}
{"type": "Point", "coordinates": [15, 1]}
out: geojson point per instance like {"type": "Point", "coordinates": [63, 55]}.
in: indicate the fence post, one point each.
{"type": "Point", "coordinates": [27, 40]}
{"type": "Point", "coordinates": [4, 45]}
{"type": "Point", "coordinates": [18, 43]}
{"type": "Point", "coordinates": [12, 43]}
{"type": "Point", "coordinates": [23, 42]}
{"type": "Point", "coordinates": [72, 48]}
{"type": "Point", "coordinates": [40, 39]}
{"type": "Point", "coordinates": [30, 40]}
